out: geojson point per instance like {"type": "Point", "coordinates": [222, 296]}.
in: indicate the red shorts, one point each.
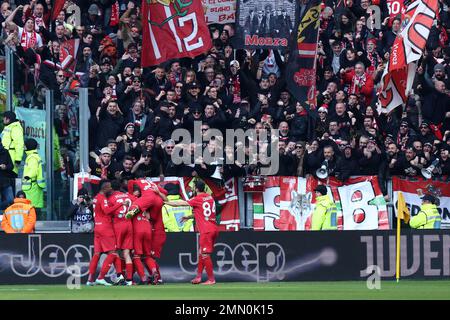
{"type": "Point", "coordinates": [104, 243]}
{"type": "Point", "coordinates": [124, 235]}
{"type": "Point", "coordinates": [158, 240]}
{"type": "Point", "coordinates": [207, 241]}
{"type": "Point", "coordinates": [142, 242]}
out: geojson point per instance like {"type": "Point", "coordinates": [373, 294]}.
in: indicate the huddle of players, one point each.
{"type": "Point", "coordinates": [132, 223]}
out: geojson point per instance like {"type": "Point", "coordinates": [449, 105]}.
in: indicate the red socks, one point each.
{"type": "Point", "coordinates": [151, 264]}
{"type": "Point", "coordinates": [139, 267]}
{"type": "Point", "coordinates": [209, 267]}
{"type": "Point", "coordinates": [118, 265]}
{"type": "Point", "coordinates": [93, 266]}
{"type": "Point", "coordinates": [200, 266]}
{"type": "Point", "coordinates": [129, 271]}
{"type": "Point", "coordinates": [110, 259]}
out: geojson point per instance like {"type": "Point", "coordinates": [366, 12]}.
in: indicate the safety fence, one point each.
{"type": "Point", "coordinates": [286, 203]}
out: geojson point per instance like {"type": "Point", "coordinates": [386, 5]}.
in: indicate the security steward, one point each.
{"type": "Point", "coordinates": [324, 216]}
{"type": "Point", "coordinates": [428, 216]}
{"type": "Point", "coordinates": [20, 217]}
{"type": "Point", "coordinates": [172, 215]}
{"type": "Point", "coordinates": [33, 182]}
{"type": "Point", "coordinates": [12, 138]}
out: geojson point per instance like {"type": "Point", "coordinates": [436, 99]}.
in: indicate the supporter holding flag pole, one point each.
{"type": "Point", "coordinates": [402, 214]}
{"type": "Point", "coordinates": [57, 8]}
{"type": "Point", "coordinates": [398, 76]}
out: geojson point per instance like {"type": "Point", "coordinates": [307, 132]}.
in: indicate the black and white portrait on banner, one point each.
{"type": "Point", "coordinates": [265, 24]}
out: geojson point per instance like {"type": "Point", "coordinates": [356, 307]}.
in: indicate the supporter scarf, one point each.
{"type": "Point", "coordinates": [114, 21]}
{"type": "Point", "coordinates": [361, 80]}
{"type": "Point", "coordinates": [236, 89]}
{"type": "Point", "coordinates": [28, 42]}
{"type": "Point", "coordinates": [104, 167]}
{"type": "Point", "coordinates": [38, 22]}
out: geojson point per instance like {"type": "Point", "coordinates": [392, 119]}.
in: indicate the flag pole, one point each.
{"type": "Point", "coordinates": [397, 263]}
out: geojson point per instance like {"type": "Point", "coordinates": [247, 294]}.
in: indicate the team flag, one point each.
{"type": "Point", "coordinates": [301, 70]}
{"type": "Point", "coordinates": [400, 71]}
{"type": "Point", "coordinates": [57, 8]}
{"type": "Point", "coordinates": [173, 29]}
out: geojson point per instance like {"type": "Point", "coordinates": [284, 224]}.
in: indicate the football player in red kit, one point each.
{"type": "Point", "coordinates": [158, 240]}
{"type": "Point", "coordinates": [142, 240]}
{"type": "Point", "coordinates": [204, 209]}
{"type": "Point", "coordinates": [123, 228]}
{"type": "Point", "coordinates": [104, 237]}
{"type": "Point", "coordinates": [151, 199]}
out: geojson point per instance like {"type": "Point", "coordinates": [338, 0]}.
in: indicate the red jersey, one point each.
{"type": "Point", "coordinates": [103, 213]}
{"type": "Point", "coordinates": [141, 223]}
{"type": "Point", "coordinates": [144, 185]}
{"type": "Point", "coordinates": [204, 209]}
{"type": "Point", "coordinates": [119, 198]}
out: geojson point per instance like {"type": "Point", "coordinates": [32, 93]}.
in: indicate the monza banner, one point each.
{"type": "Point", "coordinates": [173, 29]}
{"type": "Point", "coordinates": [34, 126]}
{"type": "Point", "coordinates": [239, 256]}
{"type": "Point", "coordinates": [225, 196]}
{"type": "Point", "coordinates": [219, 11]}
{"type": "Point", "coordinates": [414, 189]}
{"type": "Point", "coordinates": [265, 24]}
{"type": "Point", "coordinates": [288, 202]}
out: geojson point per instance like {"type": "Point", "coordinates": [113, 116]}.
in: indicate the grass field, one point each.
{"type": "Point", "coordinates": [406, 289]}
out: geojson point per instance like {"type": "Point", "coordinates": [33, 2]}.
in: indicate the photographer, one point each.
{"type": "Point", "coordinates": [80, 213]}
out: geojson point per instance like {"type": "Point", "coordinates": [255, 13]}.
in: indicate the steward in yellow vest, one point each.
{"type": "Point", "coordinates": [324, 216]}
{"type": "Point", "coordinates": [172, 215]}
{"type": "Point", "coordinates": [33, 183]}
{"type": "Point", "coordinates": [12, 138]}
{"type": "Point", "coordinates": [428, 216]}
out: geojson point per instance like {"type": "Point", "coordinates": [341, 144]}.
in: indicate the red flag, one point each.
{"type": "Point", "coordinates": [173, 29]}
{"type": "Point", "coordinates": [57, 8]}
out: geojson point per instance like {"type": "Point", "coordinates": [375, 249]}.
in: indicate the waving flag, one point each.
{"type": "Point", "coordinates": [57, 8]}
{"type": "Point", "coordinates": [173, 29]}
{"type": "Point", "coordinates": [399, 73]}
{"type": "Point", "coordinates": [301, 69]}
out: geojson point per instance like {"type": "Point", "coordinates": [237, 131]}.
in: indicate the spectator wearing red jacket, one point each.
{"type": "Point", "coordinates": [359, 82]}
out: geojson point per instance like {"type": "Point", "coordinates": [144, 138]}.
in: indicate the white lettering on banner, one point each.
{"type": "Point", "coordinates": [199, 43]}
{"type": "Point", "coordinates": [373, 281]}
{"type": "Point", "coordinates": [429, 255]}
{"type": "Point", "coordinates": [33, 123]}
{"type": "Point", "coordinates": [220, 11]}
{"type": "Point", "coordinates": [74, 280]}
{"type": "Point", "coordinates": [260, 262]}
{"type": "Point", "coordinates": [51, 260]}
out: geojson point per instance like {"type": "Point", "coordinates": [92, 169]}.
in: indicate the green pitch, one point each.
{"type": "Point", "coordinates": [406, 289]}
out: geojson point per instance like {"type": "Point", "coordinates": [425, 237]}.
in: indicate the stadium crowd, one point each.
{"type": "Point", "coordinates": [133, 111]}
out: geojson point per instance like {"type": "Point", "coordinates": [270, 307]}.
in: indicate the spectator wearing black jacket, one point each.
{"type": "Point", "coordinates": [7, 177]}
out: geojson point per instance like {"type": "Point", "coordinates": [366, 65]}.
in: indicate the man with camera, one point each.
{"type": "Point", "coordinates": [80, 213]}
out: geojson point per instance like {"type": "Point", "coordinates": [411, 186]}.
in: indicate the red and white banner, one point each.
{"type": "Point", "coordinates": [288, 202]}
{"type": "Point", "coordinates": [399, 73]}
{"type": "Point", "coordinates": [414, 190]}
{"type": "Point", "coordinates": [87, 181]}
{"type": "Point", "coordinates": [219, 11]}
{"type": "Point", "coordinates": [173, 29]}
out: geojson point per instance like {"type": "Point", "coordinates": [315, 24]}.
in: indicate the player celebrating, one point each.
{"type": "Point", "coordinates": [152, 196]}
{"type": "Point", "coordinates": [142, 240]}
{"type": "Point", "coordinates": [123, 228]}
{"type": "Point", "coordinates": [204, 209]}
{"type": "Point", "coordinates": [104, 237]}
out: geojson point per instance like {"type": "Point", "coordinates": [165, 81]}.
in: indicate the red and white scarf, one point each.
{"type": "Point", "coordinates": [28, 42]}
{"type": "Point", "coordinates": [114, 14]}
{"type": "Point", "coordinates": [361, 80]}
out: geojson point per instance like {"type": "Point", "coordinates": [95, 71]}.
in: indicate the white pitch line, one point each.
{"type": "Point", "coordinates": [12, 289]}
